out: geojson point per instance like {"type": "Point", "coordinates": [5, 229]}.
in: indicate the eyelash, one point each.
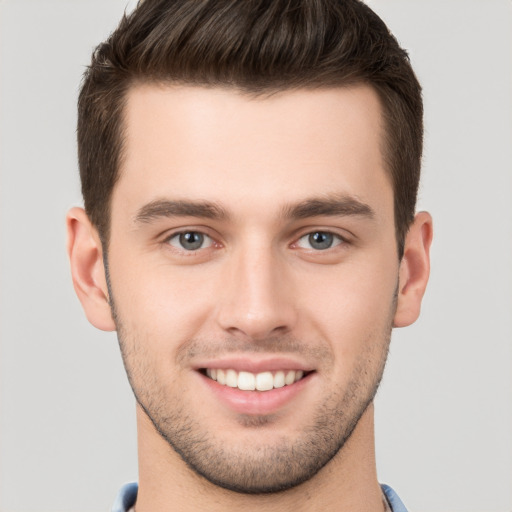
{"type": "Point", "coordinates": [335, 241]}
{"type": "Point", "coordinates": [180, 234]}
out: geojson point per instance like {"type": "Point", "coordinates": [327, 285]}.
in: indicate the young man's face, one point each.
{"type": "Point", "coordinates": [253, 240]}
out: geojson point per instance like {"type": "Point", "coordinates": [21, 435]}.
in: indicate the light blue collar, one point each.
{"type": "Point", "coordinates": [127, 497]}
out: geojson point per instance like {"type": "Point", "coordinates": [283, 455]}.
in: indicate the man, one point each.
{"type": "Point", "coordinates": [249, 172]}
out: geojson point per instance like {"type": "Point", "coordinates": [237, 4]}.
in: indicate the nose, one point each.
{"type": "Point", "coordinates": [256, 300]}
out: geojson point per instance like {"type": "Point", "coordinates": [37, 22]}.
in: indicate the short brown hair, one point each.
{"type": "Point", "coordinates": [254, 46]}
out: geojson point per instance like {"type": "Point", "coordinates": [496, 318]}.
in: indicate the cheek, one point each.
{"type": "Point", "coordinates": [351, 306]}
{"type": "Point", "coordinates": [165, 304]}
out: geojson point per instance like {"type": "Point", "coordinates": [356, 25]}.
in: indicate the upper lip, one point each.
{"type": "Point", "coordinates": [254, 365]}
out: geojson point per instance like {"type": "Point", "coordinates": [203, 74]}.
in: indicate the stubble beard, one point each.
{"type": "Point", "coordinates": [259, 468]}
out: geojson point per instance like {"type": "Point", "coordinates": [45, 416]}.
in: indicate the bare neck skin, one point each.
{"type": "Point", "coordinates": [347, 483]}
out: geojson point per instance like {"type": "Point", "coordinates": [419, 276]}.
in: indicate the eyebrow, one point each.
{"type": "Point", "coordinates": [330, 205]}
{"type": "Point", "coordinates": [162, 208]}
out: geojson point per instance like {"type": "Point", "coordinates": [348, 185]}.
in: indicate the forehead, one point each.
{"type": "Point", "coordinates": [221, 145]}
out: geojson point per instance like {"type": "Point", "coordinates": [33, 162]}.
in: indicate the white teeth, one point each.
{"type": "Point", "coordinates": [289, 378]}
{"type": "Point", "coordinates": [279, 379]}
{"type": "Point", "coordinates": [247, 381]}
{"type": "Point", "coordinates": [231, 379]}
{"type": "Point", "coordinates": [221, 377]}
{"type": "Point", "coordinates": [264, 381]}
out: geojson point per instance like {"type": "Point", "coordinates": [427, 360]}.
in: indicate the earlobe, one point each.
{"type": "Point", "coordinates": [414, 270]}
{"type": "Point", "coordinates": [86, 259]}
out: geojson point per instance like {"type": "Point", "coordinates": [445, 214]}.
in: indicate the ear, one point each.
{"type": "Point", "coordinates": [88, 273]}
{"type": "Point", "coordinates": [414, 270]}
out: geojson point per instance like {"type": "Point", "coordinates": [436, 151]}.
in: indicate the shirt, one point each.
{"type": "Point", "coordinates": [127, 497]}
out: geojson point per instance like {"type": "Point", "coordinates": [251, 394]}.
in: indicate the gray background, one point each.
{"type": "Point", "coordinates": [444, 412]}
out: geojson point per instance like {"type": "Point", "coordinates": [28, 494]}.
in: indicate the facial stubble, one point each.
{"type": "Point", "coordinates": [261, 467]}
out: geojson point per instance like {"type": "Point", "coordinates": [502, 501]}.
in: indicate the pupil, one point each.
{"type": "Point", "coordinates": [320, 240]}
{"type": "Point", "coordinates": [191, 240]}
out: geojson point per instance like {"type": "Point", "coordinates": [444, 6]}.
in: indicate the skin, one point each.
{"type": "Point", "coordinates": [272, 170]}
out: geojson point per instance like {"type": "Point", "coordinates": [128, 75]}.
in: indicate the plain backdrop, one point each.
{"type": "Point", "coordinates": [444, 412]}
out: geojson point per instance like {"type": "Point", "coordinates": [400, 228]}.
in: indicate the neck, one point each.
{"type": "Point", "coordinates": [347, 483]}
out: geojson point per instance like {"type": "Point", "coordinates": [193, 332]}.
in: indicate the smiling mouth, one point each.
{"type": "Point", "coordinates": [247, 381]}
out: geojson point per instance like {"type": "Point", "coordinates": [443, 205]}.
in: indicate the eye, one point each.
{"type": "Point", "coordinates": [190, 240]}
{"type": "Point", "coordinates": [319, 240]}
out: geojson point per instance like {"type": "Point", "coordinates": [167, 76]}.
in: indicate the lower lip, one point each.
{"type": "Point", "coordinates": [256, 402]}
